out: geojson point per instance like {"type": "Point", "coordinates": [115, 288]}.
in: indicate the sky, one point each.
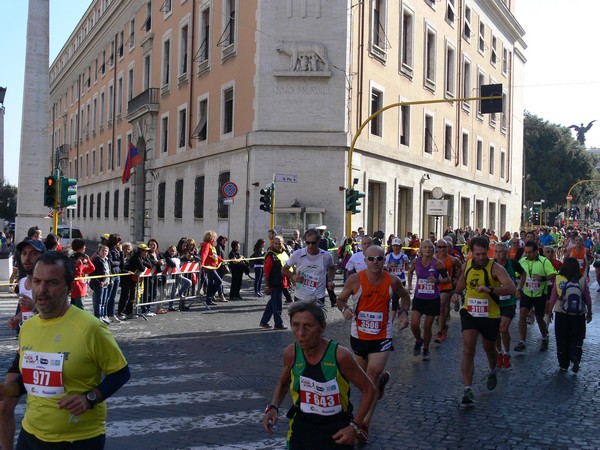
{"type": "Point", "coordinates": [562, 73]}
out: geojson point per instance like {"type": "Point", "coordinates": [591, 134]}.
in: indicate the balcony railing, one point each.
{"type": "Point", "coordinates": [147, 101]}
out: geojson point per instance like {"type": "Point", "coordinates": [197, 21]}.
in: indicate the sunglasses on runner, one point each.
{"type": "Point", "coordinates": [375, 258]}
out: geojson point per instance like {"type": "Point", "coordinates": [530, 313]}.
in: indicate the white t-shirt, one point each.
{"type": "Point", "coordinates": [314, 270]}
{"type": "Point", "coordinates": [356, 262]}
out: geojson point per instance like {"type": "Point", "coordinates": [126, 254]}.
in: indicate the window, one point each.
{"type": "Point", "coordinates": [466, 84]}
{"type": "Point", "coordinates": [101, 110]}
{"type": "Point", "coordinates": [503, 119]}
{"type": "Point", "coordinates": [164, 134]}
{"type": "Point", "coordinates": [450, 11]}
{"type": "Point", "coordinates": [87, 164]}
{"type": "Point", "coordinates": [493, 53]}
{"type": "Point", "coordinates": [465, 149]}
{"type": "Point", "coordinates": [428, 134]}
{"type": "Point", "coordinates": [480, 82]}
{"type": "Point", "coordinates": [201, 129]}
{"type": "Point", "coordinates": [130, 79]}
{"type": "Point", "coordinates": [132, 33]}
{"type": "Point", "coordinates": [430, 49]}
{"type": "Point", "coordinates": [85, 206]}
{"type": "Point", "coordinates": [160, 212]}
{"type": "Point", "coordinates": [109, 156]}
{"type": "Point", "coordinates": [504, 60]}
{"type": "Point", "coordinates": [479, 154]}
{"type": "Point", "coordinates": [204, 47]}
{"type": "Point", "coordinates": [405, 125]}
{"type": "Point", "coordinates": [448, 136]}
{"type": "Point", "coordinates": [98, 204]}
{"type": "Point", "coordinates": [199, 197]}
{"type": "Point", "coordinates": [147, 72]}
{"type": "Point", "coordinates": [178, 210]}
{"type": "Point", "coordinates": [94, 160]}
{"type": "Point", "coordinates": [110, 105]}
{"type": "Point", "coordinates": [379, 27]}
{"type": "Point", "coordinates": [492, 156]}
{"type": "Point", "coordinates": [182, 127]}
{"type": "Point", "coordinates": [228, 110]}
{"type": "Point", "coordinates": [467, 31]}
{"type": "Point", "coordinates": [106, 204]}
{"type": "Point", "coordinates": [481, 46]}
{"type": "Point", "coordinates": [148, 22]}
{"type": "Point", "coordinates": [183, 50]}
{"type": "Point", "coordinates": [116, 204]}
{"type": "Point", "coordinates": [119, 97]}
{"type": "Point", "coordinates": [118, 152]}
{"type": "Point", "coordinates": [408, 41]}
{"type": "Point", "coordinates": [94, 114]}
{"type": "Point", "coordinates": [79, 207]}
{"type": "Point", "coordinates": [126, 203]}
{"type": "Point", "coordinates": [229, 37]}
{"type": "Point", "coordinates": [166, 63]}
{"type": "Point", "coordinates": [101, 159]}
{"type": "Point", "coordinates": [502, 164]}
{"type": "Point", "coordinates": [91, 206]}
{"type": "Point", "coordinates": [222, 210]}
{"type": "Point", "coordinates": [450, 72]}
{"type": "Point", "coordinates": [376, 105]}
{"type": "Point", "coordinates": [492, 116]}
{"type": "Point", "coordinates": [87, 121]}
{"type": "Point", "coordinates": [121, 43]}
{"type": "Point", "coordinates": [166, 8]}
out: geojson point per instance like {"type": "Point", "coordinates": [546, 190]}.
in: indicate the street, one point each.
{"type": "Point", "coordinates": [201, 380]}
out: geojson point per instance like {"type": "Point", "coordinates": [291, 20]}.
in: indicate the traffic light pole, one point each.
{"type": "Point", "coordinates": [375, 114]}
{"type": "Point", "coordinates": [272, 212]}
{"type": "Point", "coordinates": [56, 197]}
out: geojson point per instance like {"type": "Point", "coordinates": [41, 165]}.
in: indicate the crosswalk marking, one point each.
{"type": "Point", "coordinates": [275, 442]}
{"type": "Point", "coordinates": [179, 398]}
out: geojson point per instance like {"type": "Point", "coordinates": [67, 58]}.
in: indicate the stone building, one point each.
{"type": "Point", "coordinates": [213, 92]}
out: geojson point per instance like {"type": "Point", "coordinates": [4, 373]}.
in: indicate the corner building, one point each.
{"type": "Point", "coordinates": [218, 91]}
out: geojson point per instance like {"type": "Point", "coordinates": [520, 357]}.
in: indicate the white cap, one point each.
{"type": "Point", "coordinates": [321, 227]}
{"type": "Point", "coordinates": [396, 241]}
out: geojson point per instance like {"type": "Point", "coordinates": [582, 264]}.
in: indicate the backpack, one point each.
{"type": "Point", "coordinates": [572, 301]}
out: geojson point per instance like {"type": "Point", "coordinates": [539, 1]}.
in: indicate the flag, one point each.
{"type": "Point", "coordinates": [132, 160]}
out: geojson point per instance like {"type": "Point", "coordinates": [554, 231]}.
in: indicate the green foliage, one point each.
{"type": "Point", "coordinates": [8, 201]}
{"type": "Point", "coordinates": [555, 162]}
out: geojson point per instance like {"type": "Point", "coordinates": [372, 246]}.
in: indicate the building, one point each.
{"type": "Point", "coordinates": [218, 91]}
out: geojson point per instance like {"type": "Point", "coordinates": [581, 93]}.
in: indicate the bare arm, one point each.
{"type": "Point", "coordinates": [351, 287]}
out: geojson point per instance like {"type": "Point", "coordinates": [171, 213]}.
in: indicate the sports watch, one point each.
{"type": "Point", "coordinates": [91, 398]}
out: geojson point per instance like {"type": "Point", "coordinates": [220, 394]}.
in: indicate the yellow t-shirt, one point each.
{"type": "Point", "coordinates": [480, 304]}
{"type": "Point", "coordinates": [87, 350]}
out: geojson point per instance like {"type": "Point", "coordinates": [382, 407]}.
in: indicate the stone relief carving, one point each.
{"type": "Point", "coordinates": [305, 57]}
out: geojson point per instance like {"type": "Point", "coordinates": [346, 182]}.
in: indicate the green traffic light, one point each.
{"type": "Point", "coordinates": [68, 192]}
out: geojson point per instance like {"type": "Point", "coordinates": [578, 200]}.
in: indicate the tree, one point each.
{"type": "Point", "coordinates": [8, 201]}
{"type": "Point", "coordinates": [554, 162]}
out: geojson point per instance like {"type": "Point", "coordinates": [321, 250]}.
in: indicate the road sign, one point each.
{"type": "Point", "coordinates": [229, 189]}
{"type": "Point", "coordinates": [437, 207]}
{"type": "Point", "coordinates": [228, 201]}
{"type": "Point", "coordinates": [286, 178]}
{"type": "Point", "coordinates": [569, 198]}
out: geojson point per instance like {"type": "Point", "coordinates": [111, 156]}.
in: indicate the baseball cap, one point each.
{"type": "Point", "coordinates": [396, 241]}
{"type": "Point", "coordinates": [105, 236]}
{"type": "Point", "coordinates": [143, 247]}
{"type": "Point", "coordinates": [35, 243]}
{"type": "Point", "coordinates": [321, 227]}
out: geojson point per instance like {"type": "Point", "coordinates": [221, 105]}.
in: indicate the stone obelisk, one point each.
{"type": "Point", "coordinates": [35, 149]}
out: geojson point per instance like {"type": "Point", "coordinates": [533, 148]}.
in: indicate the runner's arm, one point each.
{"type": "Point", "coordinates": [350, 288]}
{"type": "Point", "coordinates": [507, 287]}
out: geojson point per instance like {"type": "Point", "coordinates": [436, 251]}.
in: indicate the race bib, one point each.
{"type": "Point", "coordinates": [478, 307]}
{"type": "Point", "coordinates": [581, 263]}
{"type": "Point", "coordinates": [532, 285]}
{"type": "Point", "coordinates": [26, 315]}
{"type": "Point", "coordinates": [504, 297]}
{"type": "Point", "coordinates": [42, 373]}
{"type": "Point", "coordinates": [322, 398]}
{"type": "Point", "coordinates": [310, 282]}
{"type": "Point", "coordinates": [370, 322]}
{"type": "Point", "coordinates": [396, 270]}
{"type": "Point", "coordinates": [425, 286]}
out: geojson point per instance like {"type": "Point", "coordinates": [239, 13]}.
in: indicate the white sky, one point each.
{"type": "Point", "coordinates": [562, 79]}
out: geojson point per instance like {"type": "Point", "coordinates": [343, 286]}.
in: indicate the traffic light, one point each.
{"type": "Point", "coordinates": [50, 192]}
{"type": "Point", "coordinates": [491, 106]}
{"type": "Point", "coordinates": [352, 200]}
{"type": "Point", "coordinates": [68, 192]}
{"type": "Point", "coordinates": [266, 199]}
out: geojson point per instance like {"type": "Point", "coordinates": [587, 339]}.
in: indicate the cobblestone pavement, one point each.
{"type": "Point", "coordinates": [201, 379]}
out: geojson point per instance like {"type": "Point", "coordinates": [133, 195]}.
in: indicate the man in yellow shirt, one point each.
{"type": "Point", "coordinates": [63, 353]}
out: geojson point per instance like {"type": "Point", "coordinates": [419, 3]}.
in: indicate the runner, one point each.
{"type": "Point", "coordinates": [453, 268]}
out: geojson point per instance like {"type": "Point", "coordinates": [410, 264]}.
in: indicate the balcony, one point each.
{"type": "Point", "coordinates": [146, 102]}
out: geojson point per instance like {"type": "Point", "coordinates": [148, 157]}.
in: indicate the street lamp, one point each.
{"type": "Point", "coordinates": [2, 94]}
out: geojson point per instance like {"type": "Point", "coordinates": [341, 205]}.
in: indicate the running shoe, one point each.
{"type": "Point", "coordinates": [492, 381]}
{"type": "Point", "coordinates": [426, 354]}
{"type": "Point", "coordinates": [281, 327]}
{"type": "Point", "coordinates": [210, 301]}
{"type": "Point", "coordinates": [506, 363]}
{"type": "Point", "coordinates": [438, 338]}
{"type": "Point", "coordinates": [520, 347]}
{"type": "Point", "coordinates": [264, 325]}
{"type": "Point", "coordinates": [575, 361]}
{"type": "Point", "coordinates": [445, 332]}
{"type": "Point", "coordinates": [468, 398]}
{"type": "Point", "coordinates": [530, 320]}
{"type": "Point", "coordinates": [544, 345]}
{"type": "Point", "coordinates": [385, 378]}
{"type": "Point", "coordinates": [150, 314]}
{"type": "Point", "coordinates": [417, 348]}
{"type": "Point", "coordinates": [500, 362]}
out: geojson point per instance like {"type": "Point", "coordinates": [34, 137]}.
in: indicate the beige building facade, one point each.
{"type": "Point", "coordinates": [250, 91]}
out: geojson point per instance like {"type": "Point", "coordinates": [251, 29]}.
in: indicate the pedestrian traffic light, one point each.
{"type": "Point", "coordinates": [266, 198]}
{"type": "Point", "coordinates": [352, 200]}
{"type": "Point", "coordinates": [68, 192]}
{"type": "Point", "coordinates": [50, 192]}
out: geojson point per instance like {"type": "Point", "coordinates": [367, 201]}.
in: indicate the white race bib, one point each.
{"type": "Point", "coordinates": [370, 322]}
{"type": "Point", "coordinates": [478, 307]}
{"type": "Point", "coordinates": [42, 373]}
{"type": "Point", "coordinates": [320, 398]}
{"type": "Point", "coordinates": [425, 286]}
{"type": "Point", "coordinates": [532, 285]}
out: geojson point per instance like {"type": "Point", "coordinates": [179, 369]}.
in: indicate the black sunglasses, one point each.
{"type": "Point", "coordinates": [311, 242]}
{"type": "Point", "coordinates": [375, 258]}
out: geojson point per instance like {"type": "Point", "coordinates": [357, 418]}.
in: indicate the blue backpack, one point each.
{"type": "Point", "coordinates": [572, 300]}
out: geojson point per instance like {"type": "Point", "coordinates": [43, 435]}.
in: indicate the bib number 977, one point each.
{"type": "Point", "coordinates": [41, 377]}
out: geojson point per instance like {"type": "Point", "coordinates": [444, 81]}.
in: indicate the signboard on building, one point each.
{"type": "Point", "coordinates": [286, 178]}
{"type": "Point", "coordinates": [437, 207]}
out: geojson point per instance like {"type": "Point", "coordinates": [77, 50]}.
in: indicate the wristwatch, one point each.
{"type": "Point", "coordinates": [270, 407]}
{"type": "Point", "coordinates": [91, 398]}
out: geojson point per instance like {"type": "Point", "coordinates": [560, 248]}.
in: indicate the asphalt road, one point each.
{"type": "Point", "coordinates": [201, 379]}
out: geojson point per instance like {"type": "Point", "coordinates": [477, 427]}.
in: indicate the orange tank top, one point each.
{"type": "Point", "coordinates": [373, 309]}
{"type": "Point", "coordinates": [449, 267]}
{"type": "Point", "coordinates": [579, 255]}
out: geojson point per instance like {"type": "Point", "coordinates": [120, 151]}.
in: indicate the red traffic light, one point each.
{"type": "Point", "coordinates": [49, 181]}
